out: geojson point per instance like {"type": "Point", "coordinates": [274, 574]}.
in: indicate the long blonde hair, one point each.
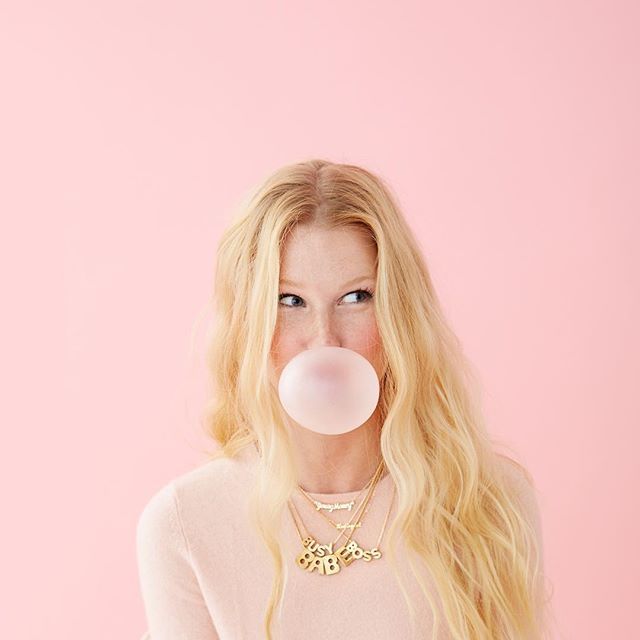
{"type": "Point", "coordinates": [456, 512]}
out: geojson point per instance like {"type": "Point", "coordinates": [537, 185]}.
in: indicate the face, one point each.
{"type": "Point", "coordinates": [327, 283]}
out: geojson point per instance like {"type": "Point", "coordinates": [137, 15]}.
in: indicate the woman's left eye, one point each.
{"type": "Point", "coordinates": [368, 292]}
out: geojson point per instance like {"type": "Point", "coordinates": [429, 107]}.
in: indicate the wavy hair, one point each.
{"type": "Point", "coordinates": [457, 513]}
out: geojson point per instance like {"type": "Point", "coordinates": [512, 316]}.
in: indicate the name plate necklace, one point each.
{"type": "Point", "coordinates": [343, 525]}
{"type": "Point", "coordinates": [345, 555]}
{"type": "Point", "coordinates": [360, 511]}
{"type": "Point", "coordinates": [340, 505]}
{"type": "Point", "coordinates": [323, 559]}
{"type": "Point", "coordinates": [332, 506]}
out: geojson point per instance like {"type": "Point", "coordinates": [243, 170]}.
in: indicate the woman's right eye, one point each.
{"type": "Point", "coordinates": [289, 295]}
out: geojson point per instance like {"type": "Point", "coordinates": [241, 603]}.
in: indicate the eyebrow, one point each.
{"type": "Point", "coordinates": [346, 284]}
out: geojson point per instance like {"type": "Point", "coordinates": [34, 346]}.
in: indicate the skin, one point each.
{"type": "Point", "coordinates": [324, 308]}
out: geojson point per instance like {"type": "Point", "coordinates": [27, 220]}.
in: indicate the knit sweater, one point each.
{"type": "Point", "coordinates": [205, 575]}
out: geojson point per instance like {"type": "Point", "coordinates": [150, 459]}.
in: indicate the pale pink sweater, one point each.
{"type": "Point", "coordinates": [204, 574]}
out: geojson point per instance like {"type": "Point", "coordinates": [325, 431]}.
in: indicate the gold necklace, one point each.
{"type": "Point", "coordinates": [355, 551]}
{"type": "Point", "coordinates": [340, 525]}
{"type": "Point", "coordinates": [361, 508]}
{"type": "Point", "coordinates": [323, 558]}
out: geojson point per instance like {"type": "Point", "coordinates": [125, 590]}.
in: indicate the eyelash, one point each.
{"type": "Point", "coordinates": [363, 289]}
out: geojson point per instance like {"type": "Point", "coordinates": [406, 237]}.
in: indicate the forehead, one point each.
{"type": "Point", "coordinates": [315, 254]}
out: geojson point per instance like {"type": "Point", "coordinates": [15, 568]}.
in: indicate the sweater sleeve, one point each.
{"type": "Point", "coordinates": [173, 602]}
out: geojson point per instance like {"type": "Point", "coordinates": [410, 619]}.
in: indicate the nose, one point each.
{"type": "Point", "coordinates": [324, 332]}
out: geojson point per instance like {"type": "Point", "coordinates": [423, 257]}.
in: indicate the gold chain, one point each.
{"type": "Point", "coordinates": [360, 509]}
{"type": "Point", "coordinates": [323, 558]}
{"type": "Point", "coordinates": [340, 525]}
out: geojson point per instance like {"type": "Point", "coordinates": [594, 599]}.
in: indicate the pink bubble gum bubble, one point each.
{"type": "Point", "coordinates": [330, 390]}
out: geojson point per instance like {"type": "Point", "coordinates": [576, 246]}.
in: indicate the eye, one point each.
{"type": "Point", "coordinates": [289, 295]}
{"type": "Point", "coordinates": [365, 290]}
{"type": "Point", "coordinates": [368, 293]}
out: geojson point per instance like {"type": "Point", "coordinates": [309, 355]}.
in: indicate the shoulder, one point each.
{"type": "Point", "coordinates": [208, 487]}
{"type": "Point", "coordinates": [515, 473]}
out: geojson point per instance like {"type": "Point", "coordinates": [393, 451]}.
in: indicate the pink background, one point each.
{"type": "Point", "coordinates": [509, 132]}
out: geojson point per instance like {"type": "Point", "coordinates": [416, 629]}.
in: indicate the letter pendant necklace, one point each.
{"type": "Point", "coordinates": [322, 557]}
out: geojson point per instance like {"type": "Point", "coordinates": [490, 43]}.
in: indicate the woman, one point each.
{"type": "Point", "coordinates": [442, 533]}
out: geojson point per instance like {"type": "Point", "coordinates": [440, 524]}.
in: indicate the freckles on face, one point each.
{"type": "Point", "coordinates": [358, 334]}
{"type": "Point", "coordinates": [366, 341]}
{"type": "Point", "coordinates": [326, 290]}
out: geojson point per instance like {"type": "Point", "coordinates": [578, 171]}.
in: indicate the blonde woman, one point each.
{"type": "Point", "coordinates": [442, 533]}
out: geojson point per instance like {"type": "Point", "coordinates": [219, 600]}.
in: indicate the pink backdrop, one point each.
{"type": "Point", "coordinates": [509, 132]}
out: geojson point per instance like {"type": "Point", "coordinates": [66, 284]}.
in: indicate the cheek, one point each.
{"type": "Point", "coordinates": [358, 334]}
{"type": "Point", "coordinates": [283, 347]}
{"type": "Point", "coordinates": [365, 339]}
{"type": "Point", "coordinates": [363, 335]}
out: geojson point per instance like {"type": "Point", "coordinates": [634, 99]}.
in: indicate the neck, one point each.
{"type": "Point", "coordinates": [336, 463]}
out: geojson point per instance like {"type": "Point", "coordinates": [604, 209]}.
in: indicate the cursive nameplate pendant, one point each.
{"type": "Point", "coordinates": [330, 507]}
{"type": "Point", "coordinates": [322, 558]}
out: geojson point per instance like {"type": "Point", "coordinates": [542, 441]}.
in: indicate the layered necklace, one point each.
{"type": "Point", "coordinates": [322, 557]}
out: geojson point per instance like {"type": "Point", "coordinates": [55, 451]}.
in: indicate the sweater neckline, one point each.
{"type": "Point", "coordinates": [251, 454]}
{"type": "Point", "coordinates": [384, 479]}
